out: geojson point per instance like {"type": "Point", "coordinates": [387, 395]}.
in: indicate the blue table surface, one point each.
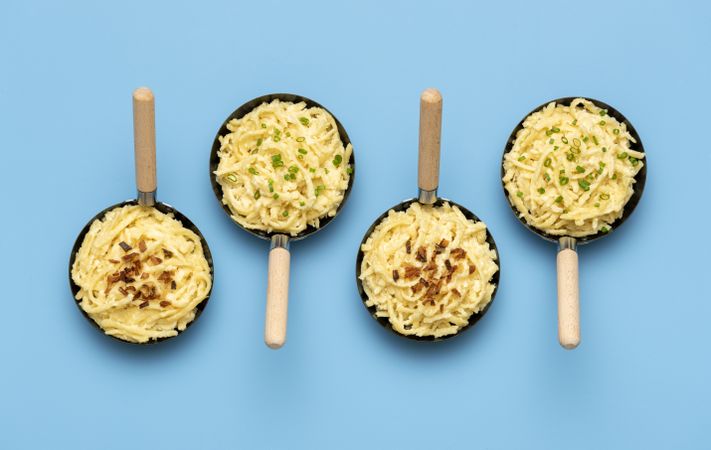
{"type": "Point", "coordinates": [640, 378]}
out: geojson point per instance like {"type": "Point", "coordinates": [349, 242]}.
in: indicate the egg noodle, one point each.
{"type": "Point", "coordinates": [571, 169]}
{"type": "Point", "coordinates": [428, 269]}
{"type": "Point", "coordinates": [141, 274]}
{"type": "Point", "coordinates": [283, 167]}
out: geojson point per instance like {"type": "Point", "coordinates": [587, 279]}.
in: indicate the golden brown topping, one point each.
{"type": "Point", "coordinates": [164, 303]}
{"type": "Point", "coordinates": [167, 253]}
{"type": "Point", "coordinates": [142, 245]}
{"type": "Point", "coordinates": [431, 266]}
{"type": "Point", "coordinates": [154, 260]}
{"type": "Point", "coordinates": [448, 265]}
{"type": "Point", "coordinates": [396, 275]}
{"type": "Point", "coordinates": [456, 292]}
{"type": "Point", "coordinates": [421, 254]}
{"type": "Point", "coordinates": [408, 246]}
{"type": "Point", "coordinates": [173, 285]}
{"type": "Point", "coordinates": [115, 261]}
{"type": "Point", "coordinates": [417, 287]}
{"type": "Point", "coordinates": [131, 288]}
{"type": "Point", "coordinates": [411, 272]}
{"type": "Point", "coordinates": [137, 296]}
{"type": "Point", "coordinates": [144, 276]}
{"type": "Point", "coordinates": [114, 277]}
{"type": "Point", "coordinates": [125, 246]}
{"type": "Point", "coordinates": [166, 277]}
{"type": "Point", "coordinates": [428, 301]}
{"type": "Point", "coordinates": [123, 290]}
{"type": "Point", "coordinates": [458, 253]}
{"type": "Point", "coordinates": [424, 282]}
{"type": "Point", "coordinates": [130, 256]}
{"type": "Point", "coordinates": [143, 305]}
{"type": "Point", "coordinates": [472, 269]}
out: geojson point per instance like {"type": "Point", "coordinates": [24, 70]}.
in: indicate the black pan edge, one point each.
{"type": "Point", "coordinates": [241, 112]}
{"type": "Point", "coordinates": [164, 208]}
{"type": "Point", "coordinates": [384, 320]}
{"type": "Point", "coordinates": [640, 178]}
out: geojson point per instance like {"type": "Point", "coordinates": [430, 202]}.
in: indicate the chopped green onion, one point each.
{"type": "Point", "coordinates": [585, 139]}
{"type": "Point", "coordinates": [519, 194]}
{"type": "Point", "coordinates": [597, 205]}
{"type": "Point", "coordinates": [271, 185]}
{"type": "Point", "coordinates": [562, 171]}
{"type": "Point", "coordinates": [253, 171]}
{"type": "Point", "coordinates": [569, 156]}
{"type": "Point", "coordinates": [522, 158]}
{"type": "Point", "coordinates": [276, 138]}
{"type": "Point", "coordinates": [575, 122]}
{"type": "Point", "coordinates": [318, 189]}
{"type": "Point", "coordinates": [616, 131]}
{"type": "Point", "coordinates": [576, 142]}
{"type": "Point", "coordinates": [584, 184]}
{"type": "Point", "coordinates": [276, 161]}
{"type": "Point", "coordinates": [604, 229]}
{"type": "Point", "coordinates": [300, 139]}
{"type": "Point", "coordinates": [563, 181]}
{"type": "Point", "coordinates": [634, 161]}
{"type": "Point", "coordinates": [579, 169]}
{"type": "Point", "coordinates": [293, 169]}
{"type": "Point", "coordinates": [275, 196]}
{"type": "Point", "coordinates": [546, 177]}
{"type": "Point", "coordinates": [349, 170]}
{"type": "Point", "coordinates": [312, 170]}
{"type": "Point", "coordinates": [264, 125]}
{"type": "Point", "coordinates": [259, 142]}
{"type": "Point", "coordinates": [541, 191]}
{"type": "Point", "coordinates": [231, 178]}
{"type": "Point", "coordinates": [604, 149]}
{"type": "Point", "coordinates": [603, 112]}
{"type": "Point", "coordinates": [602, 123]}
{"type": "Point", "coordinates": [564, 139]}
{"type": "Point", "coordinates": [622, 155]}
{"type": "Point", "coordinates": [555, 147]}
{"type": "Point", "coordinates": [301, 157]}
{"type": "Point", "coordinates": [547, 162]}
{"type": "Point", "coordinates": [337, 160]}
{"type": "Point", "coordinates": [602, 165]}
{"type": "Point", "coordinates": [555, 130]}
{"type": "Point", "coordinates": [604, 196]}
{"type": "Point", "coordinates": [559, 199]}
{"type": "Point", "coordinates": [288, 134]}
{"type": "Point", "coordinates": [304, 121]}
{"type": "Point", "coordinates": [286, 176]}
{"type": "Point", "coordinates": [302, 151]}
{"type": "Point", "coordinates": [614, 176]}
{"type": "Point", "coordinates": [302, 203]}
{"type": "Point", "coordinates": [257, 195]}
{"type": "Point", "coordinates": [595, 140]}
{"type": "Point", "coordinates": [549, 132]}
{"type": "Point", "coordinates": [551, 141]}
{"type": "Point", "coordinates": [285, 214]}
{"type": "Point", "coordinates": [277, 132]}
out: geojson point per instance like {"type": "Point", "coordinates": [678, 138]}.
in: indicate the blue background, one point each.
{"type": "Point", "coordinates": [640, 378]}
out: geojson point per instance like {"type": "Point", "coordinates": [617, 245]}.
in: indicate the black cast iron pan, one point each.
{"type": "Point", "coordinates": [146, 183]}
{"type": "Point", "coordinates": [428, 182]}
{"type": "Point", "coordinates": [279, 256]}
{"type": "Point", "coordinates": [567, 260]}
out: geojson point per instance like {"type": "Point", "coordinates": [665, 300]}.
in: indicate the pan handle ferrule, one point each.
{"type": "Point", "coordinates": [147, 198]}
{"type": "Point", "coordinates": [567, 243]}
{"type": "Point", "coordinates": [427, 197]}
{"type": "Point", "coordinates": [280, 241]}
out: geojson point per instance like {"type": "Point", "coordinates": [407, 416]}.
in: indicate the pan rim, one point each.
{"type": "Point", "coordinates": [240, 112]}
{"type": "Point", "coordinates": [384, 321]}
{"type": "Point", "coordinates": [186, 222]}
{"type": "Point", "coordinates": [638, 187]}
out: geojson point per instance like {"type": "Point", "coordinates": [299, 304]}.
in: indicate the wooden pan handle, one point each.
{"type": "Point", "coordinates": [144, 139]}
{"type": "Point", "coordinates": [430, 138]}
{"type": "Point", "coordinates": [568, 299]}
{"type": "Point", "coordinates": [277, 297]}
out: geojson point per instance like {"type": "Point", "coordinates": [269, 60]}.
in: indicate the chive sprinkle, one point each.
{"type": "Point", "coordinates": [547, 162]}
{"type": "Point", "coordinates": [302, 151]}
{"type": "Point", "coordinates": [264, 125]}
{"type": "Point", "coordinates": [559, 199]}
{"type": "Point", "coordinates": [300, 139]}
{"type": "Point", "coordinates": [603, 112]}
{"type": "Point", "coordinates": [519, 194]}
{"type": "Point", "coordinates": [257, 195]}
{"type": "Point", "coordinates": [597, 205]}
{"type": "Point", "coordinates": [576, 142]}
{"type": "Point", "coordinates": [349, 170]}
{"type": "Point", "coordinates": [614, 176]}
{"type": "Point", "coordinates": [275, 196]}
{"type": "Point", "coordinates": [285, 214]}
{"type": "Point", "coordinates": [304, 121]}
{"type": "Point", "coordinates": [541, 191]}
{"type": "Point", "coordinates": [312, 170]}
{"type": "Point", "coordinates": [634, 161]}
{"type": "Point", "coordinates": [595, 140]}
{"type": "Point", "coordinates": [570, 156]}
{"type": "Point", "coordinates": [563, 181]}
{"type": "Point", "coordinates": [604, 229]}
{"type": "Point", "coordinates": [616, 131]}
{"type": "Point", "coordinates": [276, 161]}
{"type": "Point", "coordinates": [555, 130]}
{"type": "Point", "coordinates": [259, 142]}
{"type": "Point", "coordinates": [271, 185]}
{"type": "Point", "coordinates": [604, 149]}
{"type": "Point", "coordinates": [253, 171]}
{"type": "Point", "coordinates": [602, 123]}
{"type": "Point", "coordinates": [337, 160]}
{"type": "Point", "coordinates": [579, 169]}
{"type": "Point", "coordinates": [549, 132]}
{"type": "Point", "coordinates": [585, 139]}
{"type": "Point", "coordinates": [293, 169]}
{"type": "Point", "coordinates": [564, 139]}
{"type": "Point", "coordinates": [522, 158]}
{"type": "Point", "coordinates": [302, 203]}
{"type": "Point", "coordinates": [575, 122]}
{"type": "Point", "coordinates": [231, 178]}
{"type": "Point", "coordinates": [622, 155]}
{"type": "Point", "coordinates": [551, 141]}
{"type": "Point", "coordinates": [604, 196]}
{"type": "Point", "coordinates": [584, 184]}
{"type": "Point", "coordinates": [546, 177]}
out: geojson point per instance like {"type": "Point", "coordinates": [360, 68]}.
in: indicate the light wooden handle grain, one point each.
{"type": "Point", "coordinates": [277, 297]}
{"type": "Point", "coordinates": [430, 138]}
{"type": "Point", "coordinates": [568, 299]}
{"type": "Point", "coordinates": [144, 139]}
